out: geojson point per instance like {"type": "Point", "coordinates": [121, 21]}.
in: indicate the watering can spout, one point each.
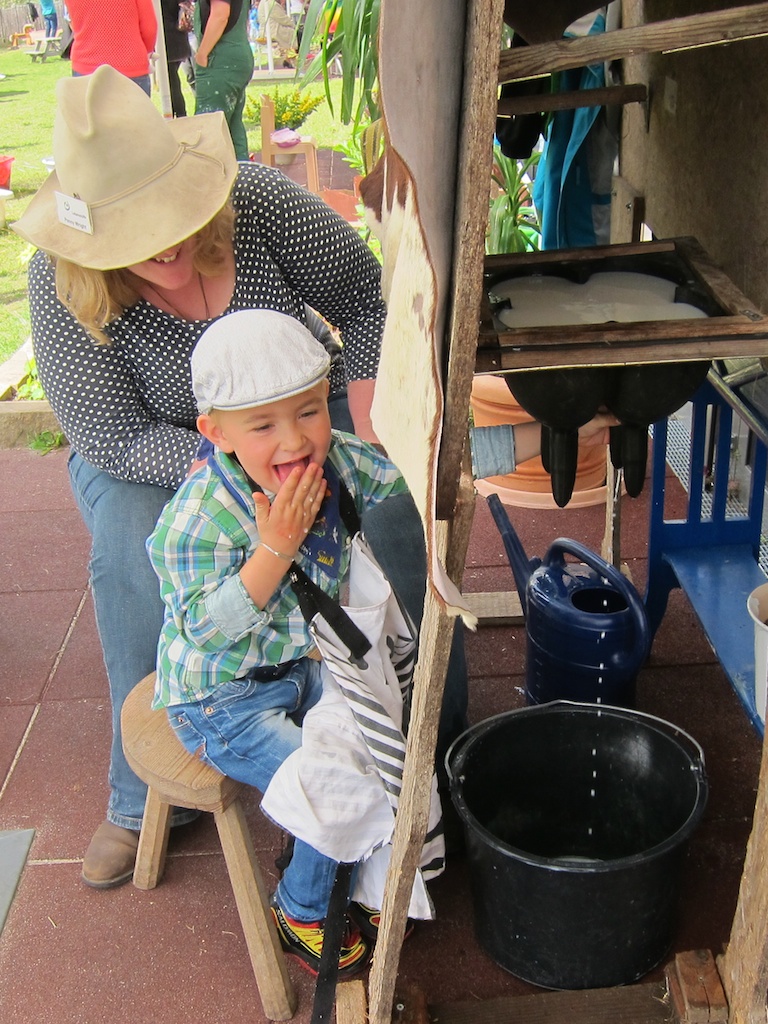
{"type": "Point", "coordinates": [521, 565]}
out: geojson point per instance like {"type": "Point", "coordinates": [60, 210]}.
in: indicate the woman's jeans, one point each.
{"type": "Point", "coordinates": [126, 596]}
{"type": "Point", "coordinates": [143, 81]}
{"type": "Point", "coordinates": [246, 729]}
{"type": "Point", "coordinates": [51, 22]}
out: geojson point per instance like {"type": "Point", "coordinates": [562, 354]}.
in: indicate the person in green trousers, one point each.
{"type": "Point", "coordinates": [224, 64]}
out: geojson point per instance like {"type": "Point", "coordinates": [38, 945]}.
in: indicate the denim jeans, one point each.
{"type": "Point", "coordinates": [394, 531]}
{"type": "Point", "coordinates": [246, 729]}
{"type": "Point", "coordinates": [143, 81]}
{"type": "Point", "coordinates": [126, 596]}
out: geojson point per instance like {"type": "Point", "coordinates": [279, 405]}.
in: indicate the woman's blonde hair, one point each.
{"type": "Point", "coordinates": [96, 297]}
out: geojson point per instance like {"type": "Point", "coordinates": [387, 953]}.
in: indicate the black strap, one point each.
{"type": "Point", "coordinates": [314, 601]}
{"type": "Point", "coordinates": [333, 936]}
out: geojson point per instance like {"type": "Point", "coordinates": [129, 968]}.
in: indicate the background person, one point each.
{"type": "Point", "coordinates": [120, 33]}
{"type": "Point", "coordinates": [177, 51]}
{"type": "Point", "coordinates": [223, 64]}
{"type": "Point", "coordinates": [50, 17]}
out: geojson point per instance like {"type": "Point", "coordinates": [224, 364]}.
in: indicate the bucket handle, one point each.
{"type": "Point", "coordinates": [537, 709]}
{"type": "Point", "coordinates": [563, 546]}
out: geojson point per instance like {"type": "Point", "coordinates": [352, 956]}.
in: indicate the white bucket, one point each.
{"type": "Point", "coordinates": [757, 605]}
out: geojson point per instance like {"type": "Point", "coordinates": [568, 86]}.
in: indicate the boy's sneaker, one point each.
{"type": "Point", "coordinates": [368, 920]}
{"type": "Point", "coordinates": [304, 940]}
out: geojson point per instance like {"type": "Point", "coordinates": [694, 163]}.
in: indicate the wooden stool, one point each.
{"type": "Point", "coordinates": [177, 779]}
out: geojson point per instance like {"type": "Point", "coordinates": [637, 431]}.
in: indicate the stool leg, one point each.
{"type": "Point", "coordinates": [275, 989]}
{"type": "Point", "coordinates": [153, 841]}
{"type": "Point", "coordinates": [313, 176]}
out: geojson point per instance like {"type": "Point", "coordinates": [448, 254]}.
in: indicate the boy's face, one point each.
{"type": "Point", "coordinates": [271, 440]}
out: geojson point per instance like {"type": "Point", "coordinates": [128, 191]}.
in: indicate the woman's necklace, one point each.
{"type": "Point", "coordinates": [177, 312]}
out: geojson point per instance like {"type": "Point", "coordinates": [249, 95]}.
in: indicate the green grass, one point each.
{"type": "Point", "coordinates": [27, 106]}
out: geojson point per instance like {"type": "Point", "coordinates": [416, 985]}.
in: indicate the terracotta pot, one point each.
{"type": "Point", "coordinates": [530, 485]}
{"type": "Point", "coordinates": [342, 201]}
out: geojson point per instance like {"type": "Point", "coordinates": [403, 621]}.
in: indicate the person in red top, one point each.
{"type": "Point", "coordinates": [121, 33]}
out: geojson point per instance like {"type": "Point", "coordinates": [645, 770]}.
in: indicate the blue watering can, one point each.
{"type": "Point", "coordinates": [587, 630]}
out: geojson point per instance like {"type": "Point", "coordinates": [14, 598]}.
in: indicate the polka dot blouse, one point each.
{"type": "Point", "coordinates": [128, 407]}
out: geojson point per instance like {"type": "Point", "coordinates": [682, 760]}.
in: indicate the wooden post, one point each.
{"type": "Point", "coordinates": [744, 965]}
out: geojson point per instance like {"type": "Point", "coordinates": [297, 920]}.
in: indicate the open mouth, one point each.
{"type": "Point", "coordinates": [283, 469]}
{"type": "Point", "coordinates": [167, 257]}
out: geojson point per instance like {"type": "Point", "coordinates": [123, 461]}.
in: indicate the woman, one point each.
{"type": "Point", "coordinates": [121, 33]}
{"type": "Point", "coordinates": [155, 232]}
{"type": "Point", "coordinates": [223, 64]}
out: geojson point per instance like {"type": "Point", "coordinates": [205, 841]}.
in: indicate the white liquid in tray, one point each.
{"type": "Point", "coordinates": [611, 296]}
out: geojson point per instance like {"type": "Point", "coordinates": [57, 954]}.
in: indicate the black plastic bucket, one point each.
{"type": "Point", "coordinates": [576, 819]}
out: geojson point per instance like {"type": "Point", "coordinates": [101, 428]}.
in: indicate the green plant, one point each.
{"type": "Point", "coordinates": [292, 107]}
{"type": "Point", "coordinates": [47, 441]}
{"type": "Point", "coordinates": [363, 146]}
{"type": "Point", "coordinates": [347, 31]}
{"type": "Point", "coordinates": [30, 388]}
{"type": "Point", "coordinates": [512, 221]}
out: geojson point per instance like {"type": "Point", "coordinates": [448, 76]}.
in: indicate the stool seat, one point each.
{"type": "Point", "coordinates": [176, 778]}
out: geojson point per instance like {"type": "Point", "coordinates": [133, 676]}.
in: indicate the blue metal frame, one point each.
{"type": "Point", "coordinates": [713, 558]}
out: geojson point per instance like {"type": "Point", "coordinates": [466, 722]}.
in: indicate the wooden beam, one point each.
{"type": "Point", "coordinates": [478, 118]}
{"type": "Point", "coordinates": [435, 639]}
{"type": "Point", "coordinates": [695, 990]}
{"type": "Point", "coordinates": [628, 1004]}
{"type": "Point", "coordinates": [687, 33]}
{"type": "Point", "coordinates": [611, 95]}
{"type": "Point", "coordinates": [744, 965]}
{"type": "Point", "coordinates": [496, 609]}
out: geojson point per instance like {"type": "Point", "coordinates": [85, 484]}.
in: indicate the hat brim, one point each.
{"type": "Point", "coordinates": [151, 219]}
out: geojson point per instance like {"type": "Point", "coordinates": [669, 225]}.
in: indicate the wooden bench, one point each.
{"type": "Point", "coordinates": [711, 553]}
{"type": "Point", "coordinates": [44, 46]}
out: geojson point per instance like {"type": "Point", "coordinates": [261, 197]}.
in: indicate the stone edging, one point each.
{"type": "Point", "coordinates": [21, 421]}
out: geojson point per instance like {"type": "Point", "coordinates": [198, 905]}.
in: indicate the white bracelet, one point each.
{"type": "Point", "coordinates": [278, 554]}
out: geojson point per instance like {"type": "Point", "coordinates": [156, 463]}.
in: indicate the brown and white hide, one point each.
{"type": "Point", "coordinates": [408, 403]}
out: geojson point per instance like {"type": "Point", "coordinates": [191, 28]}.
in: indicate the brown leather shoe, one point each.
{"type": "Point", "coordinates": [111, 856]}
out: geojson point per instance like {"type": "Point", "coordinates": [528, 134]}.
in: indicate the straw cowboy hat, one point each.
{"type": "Point", "coordinates": [128, 183]}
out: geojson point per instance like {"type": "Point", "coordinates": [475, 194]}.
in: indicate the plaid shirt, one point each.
{"type": "Point", "coordinates": [213, 632]}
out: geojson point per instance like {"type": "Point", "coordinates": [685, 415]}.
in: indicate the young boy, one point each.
{"type": "Point", "coordinates": [235, 667]}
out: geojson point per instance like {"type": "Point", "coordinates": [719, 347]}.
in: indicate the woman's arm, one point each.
{"type": "Point", "coordinates": [94, 394]}
{"type": "Point", "coordinates": [214, 30]}
{"type": "Point", "coordinates": [322, 260]}
{"type": "Point", "coordinates": [147, 23]}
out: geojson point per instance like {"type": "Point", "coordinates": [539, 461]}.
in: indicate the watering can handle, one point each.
{"type": "Point", "coordinates": [563, 546]}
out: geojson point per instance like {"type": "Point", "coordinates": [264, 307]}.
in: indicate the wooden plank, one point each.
{"type": "Point", "coordinates": [695, 988]}
{"type": "Point", "coordinates": [627, 211]}
{"type": "Point", "coordinates": [598, 353]}
{"type": "Point", "coordinates": [478, 119]}
{"type": "Point", "coordinates": [412, 816]}
{"type": "Point", "coordinates": [744, 966]}
{"type": "Point", "coordinates": [631, 1004]}
{"type": "Point", "coordinates": [686, 33]}
{"type": "Point", "coordinates": [611, 95]}
{"type": "Point", "coordinates": [496, 609]}
{"type": "Point", "coordinates": [351, 1003]}
{"type": "Point", "coordinates": [435, 641]}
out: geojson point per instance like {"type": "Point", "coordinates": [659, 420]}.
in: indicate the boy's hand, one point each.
{"type": "Point", "coordinates": [285, 522]}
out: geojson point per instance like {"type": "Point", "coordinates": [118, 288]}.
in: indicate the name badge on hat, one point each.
{"type": "Point", "coordinates": [74, 213]}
